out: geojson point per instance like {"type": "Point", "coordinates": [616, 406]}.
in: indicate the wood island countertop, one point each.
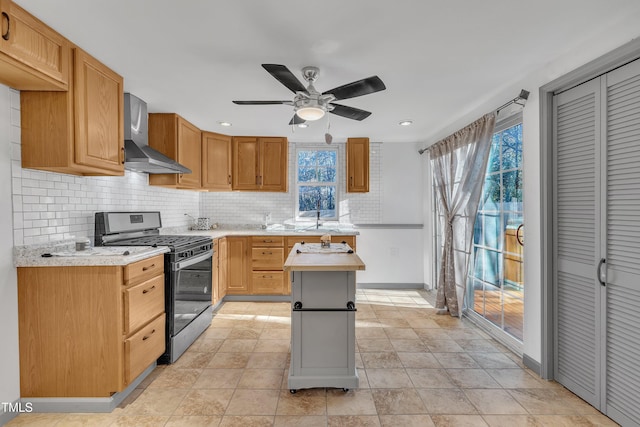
{"type": "Point", "coordinates": [310, 257]}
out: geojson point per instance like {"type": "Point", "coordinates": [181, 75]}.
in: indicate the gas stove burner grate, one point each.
{"type": "Point", "coordinates": [173, 241]}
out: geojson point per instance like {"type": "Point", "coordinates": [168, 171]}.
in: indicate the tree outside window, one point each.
{"type": "Point", "coordinates": [317, 184]}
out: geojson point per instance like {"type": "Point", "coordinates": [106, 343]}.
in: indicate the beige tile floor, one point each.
{"type": "Point", "coordinates": [416, 369]}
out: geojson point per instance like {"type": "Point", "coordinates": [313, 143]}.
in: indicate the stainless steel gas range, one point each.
{"type": "Point", "coordinates": [187, 271]}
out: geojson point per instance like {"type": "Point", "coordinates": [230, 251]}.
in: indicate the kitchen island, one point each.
{"type": "Point", "coordinates": [323, 309]}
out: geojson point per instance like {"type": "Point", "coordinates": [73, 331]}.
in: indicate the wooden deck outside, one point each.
{"type": "Point", "coordinates": [489, 304]}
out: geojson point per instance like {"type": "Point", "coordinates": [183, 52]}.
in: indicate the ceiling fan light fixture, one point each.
{"type": "Point", "coordinates": [310, 113]}
{"type": "Point", "coordinates": [406, 123]}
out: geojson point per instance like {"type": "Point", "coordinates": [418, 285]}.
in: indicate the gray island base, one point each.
{"type": "Point", "coordinates": [323, 314]}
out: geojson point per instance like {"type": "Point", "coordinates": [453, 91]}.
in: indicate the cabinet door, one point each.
{"type": "Point", "coordinates": [44, 53]}
{"type": "Point", "coordinates": [223, 267]}
{"type": "Point", "coordinates": [215, 271]}
{"type": "Point", "coordinates": [245, 163]}
{"type": "Point", "coordinates": [358, 165]}
{"type": "Point", "coordinates": [99, 109]}
{"type": "Point", "coordinates": [273, 164]}
{"type": "Point", "coordinates": [216, 161]}
{"type": "Point", "coordinates": [189, 153]}
{"type": "Point", "coordinates": [237, 265]}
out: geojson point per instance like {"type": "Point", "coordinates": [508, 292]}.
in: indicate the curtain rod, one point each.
{"type": "Point", "coordinates": [523, 96]}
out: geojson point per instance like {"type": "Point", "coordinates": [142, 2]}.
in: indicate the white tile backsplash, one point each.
{"type": "Point", "coordinates": [49, 206]}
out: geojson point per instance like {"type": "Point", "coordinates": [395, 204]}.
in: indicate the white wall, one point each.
{"type": "Point", "coordinates": [9, 362]}
{"type": "Point", "coordinates": [402, 183]}
{"type": "Point", "coordinates": [393, 254]}
{"type": "Point", "coordinates": [603, 40]}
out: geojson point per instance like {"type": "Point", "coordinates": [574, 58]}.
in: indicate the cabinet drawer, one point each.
{"type": "Point", "coordinates": [142, 303]}
{"type": "Point", "coordinates": [143, 348]}
{"type": "Point", "coordinates": [267, 241]}
{"type": "Point", "coordinates": [267, 258]}
{"type": "Point", "coordinates": [143, 270]}
{"type": "Point", "coordinates": [268, 282]}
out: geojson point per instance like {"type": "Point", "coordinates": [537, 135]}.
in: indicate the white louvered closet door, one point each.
{"type": "Point", "coordinates": [597, 242]}
{"type": "Point", "coordinates": [577, 292]}
{"type": "Point", "coordinates": [623, 244]}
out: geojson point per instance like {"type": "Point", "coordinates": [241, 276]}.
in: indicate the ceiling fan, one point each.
{"type": "Point", "coordinates": [309, 104]}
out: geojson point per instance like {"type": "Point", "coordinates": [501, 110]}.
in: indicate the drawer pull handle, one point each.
{"type": "Point", "coordinates": [148, 267]}
{"type": "Point", "coordinates": [267, 253]}
{"type": "Point", "coordinates": [146, 291]}
{"type": "Point", "coordinates": [267, 241]}
{"type": "Point", "coordinates": [267, 277]}
{"type": "Point", "coordinates": [7, 34]}
{"type": "Point", "coordinates": [146, 337]}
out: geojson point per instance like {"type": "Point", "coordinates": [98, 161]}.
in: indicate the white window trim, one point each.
{"type": "Point", "coordinates": [313, 147]}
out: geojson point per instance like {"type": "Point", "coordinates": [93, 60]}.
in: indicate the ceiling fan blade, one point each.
{"type": "Point", "coordinates": [349, 112]}
{"type": "Point", "coordinates": [295, 120]}
{"type": "Point", "coordinates": [284, 76]}
{"type": "Point", "coordinates": [261, 102]}
{"type": "Point", "coordinates": [358, 88]}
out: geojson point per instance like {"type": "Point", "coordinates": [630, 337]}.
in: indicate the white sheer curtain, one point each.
{"type": "Point", "coordinates": [459, 163]}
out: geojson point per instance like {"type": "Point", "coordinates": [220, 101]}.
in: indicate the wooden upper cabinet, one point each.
{"type": "Point", "coordinates": [358, 165]}
{"type": "Point", "coordinates": [245, 163]}
{"type": "Point", "coordinates": [99, 110]}
{"type": "Point", "coordinates": [78, 132]}
{"type": "Point", "coordinates": [177, 139]}
{"type": "Point", "coordinates": [273, 164]}
{"type": "Point", "coordinates": [216, 161]}
{"type": "Point", "coordinates": [260, 163]}
{"type": "Point", "coordinates": [32, 55]}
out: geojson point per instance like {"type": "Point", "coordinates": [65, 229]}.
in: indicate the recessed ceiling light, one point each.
{"type": "Point", "coordinates": [303, 125]}
{"type": "Point", "coordinates": [226, 124]}
{"type": "Point", "coordinates": [406, 123]}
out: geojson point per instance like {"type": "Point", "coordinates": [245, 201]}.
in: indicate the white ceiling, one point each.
{"type": "Point", "coordinates": [437, 58]}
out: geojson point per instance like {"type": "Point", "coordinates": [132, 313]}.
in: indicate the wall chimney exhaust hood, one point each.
{"type": "Point", "coordinates": [138, 156]}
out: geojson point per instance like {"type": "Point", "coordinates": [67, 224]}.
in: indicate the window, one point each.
{"type": "Point", "coordinates": [495, 289]}
{"type": "Point", "coordinates": [317, 183]}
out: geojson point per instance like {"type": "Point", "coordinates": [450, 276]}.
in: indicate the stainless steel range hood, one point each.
{"type": "Point", "coordinates": [138, 156]}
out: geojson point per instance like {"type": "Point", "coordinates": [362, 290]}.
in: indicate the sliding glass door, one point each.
{"type": "Point", "coordinates": [496, 285]}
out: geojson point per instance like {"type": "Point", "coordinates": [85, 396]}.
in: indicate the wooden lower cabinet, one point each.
{"type": "Point", "coordinates": [236, 264]}
{"type": "Point", "coordinates": [253, 265]}
{"type": "Point", "coordinates": [87, 331]}
{"type": "Point", "coordinates": [267, 258]}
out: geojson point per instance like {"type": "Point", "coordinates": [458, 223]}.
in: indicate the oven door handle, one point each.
{"type": "Point", "coordinates": [175, 266]}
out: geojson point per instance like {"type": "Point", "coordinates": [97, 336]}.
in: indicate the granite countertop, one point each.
{"type": "Point", "coordinates": [254, 231]}
{"type": "Point", "coordinates": [64, 255]}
